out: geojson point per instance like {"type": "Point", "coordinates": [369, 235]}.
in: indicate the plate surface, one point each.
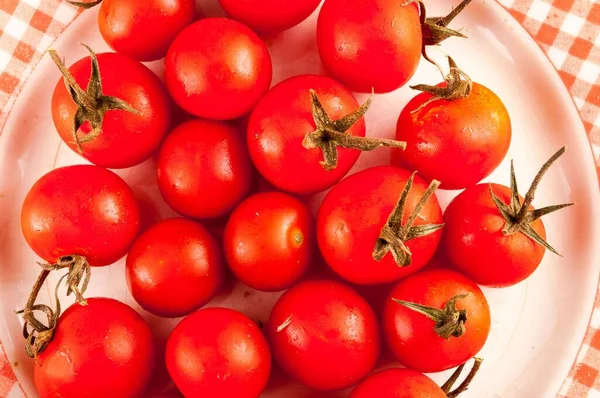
{"type": "Point", "coordinates": [537, 326]}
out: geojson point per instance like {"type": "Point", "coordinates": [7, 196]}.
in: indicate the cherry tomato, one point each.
{"type": "Point", "coordinates": [457, 142]}
{"type": "Point", "coordinates": [269, 16]}
{"type": "Point", "coordinates": [218, 69]}
{"type": "Point", "coordinates": [370, 44]}
{"type": "Point", "coordinates": [279, 124]}
{"type": "Point", "coordinates": [115, 137]}
{"type": "Point", "coordinates": [455, 329]}
{"type": "Point", "coordinates": [102, 349]}
{"type": "Point", "coordinates": [203, 169]}
{"type": "Point", "coordinates": [475, 229]}
{"type": "Point", "coordinates": [269, 241]}
{"type": "Point", "coordinates": [218, 352]}
{"type": "Point", "coordinates": [80, 210]}
{"type": "Point", "coordinates": [398, 383]}
{"type": "Point", "coordinates": [324, 335]}
{"type": "Point", "coordinates": [495, 222]}
{"type": "Point", "coordinates": [174, 268]}
{"type": "Point", "coordinates": [143, 30]}
{"type": "Point", "coordinates": [353, 215]}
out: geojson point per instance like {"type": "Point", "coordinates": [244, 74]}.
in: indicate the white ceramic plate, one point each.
{"type": "Point", "coordinates": [538, 326]}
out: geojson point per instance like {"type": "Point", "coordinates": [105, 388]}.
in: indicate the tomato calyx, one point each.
{"type": "Point", "coordinates": [331, 134]}
{"type": "Point", "coordinates": [517, 215]}
{"type": "Point", "coordinates": [394, 235]}
{"type": "Point", "coordinates": [38, 335]}
{"type": "Point", "coordinates": [449, 322]}
{"type": "Point", "coordinates": [447, 386]}
{"type": "Point", "coordinates": [92, 104]}
{"type": "Point", "coordinates": [435, 29]}
{"type": "Point", "coordinates": [458, 86]}
{"type": "Point", "coordinates": [85, 4]}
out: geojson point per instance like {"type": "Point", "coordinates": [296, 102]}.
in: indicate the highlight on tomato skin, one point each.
{"type": "Point", "coordinates": [175, 268]}
{"type": "Point", "coordinates": [201, 156]}
{"type": "Point", "coordinates": [143, 30]}
{"type": "Point", "coordinates": [457, 132]}
{"type": "Point", "coordinates": [269, 16]}
{"type": "Point", "coordinates": [269, 241]}
{"type": "Point", "coordinates": [231, 343]}
{"type": "Point", "coordinates": [324, 335]}
{"type": "Point", "coordinates": [123, 121]}
{"type": "Point", "coordinates": [227, 46]}
{"type": "Point", "coordinates": [351, 222]}
{"type": "Point", "coordinates": [280, 122]}
{"type": "Point", "coordinates": [436, 320]}
{"type": "Point", "coordinates": [102, 349]}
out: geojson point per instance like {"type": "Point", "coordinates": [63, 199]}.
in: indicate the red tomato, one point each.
{"type": "Point", "coordinates": [102, 349]}
{"type": "Point", "coordinates": [203, 169]}
{"type": "Point", "coordinates": [218, 352]}
{"type": "Point", "coordinates": [269, 16]}
{"type": "Point", "coordinates": [269, 241]}
{"type": "Point", "coordinates": [370, 44]}
{"type": "Point", "coordinates": [324, 334]}
{"type": "Point", "coordinates": [474, 230]}
{"type": "Point", "coordinates": [174, 268]}
{"type": "Point", "coordinates": [459, 332]}
{"type": "Point", "coordinates": [494, 222]}
{"type": "Point", "coordinates": [80, 210]}
{"type": "Point", "coordinates": [143, 30]}
{"type": "Point", "coordinates": [124, 137]}
{"type": "Point", "coordinates": [218, 69]}
{"type": "Point", "coordinates": [457, 142]}
{"type": "Point", "coordinates": [355, 211]}
{"type": "Point", "coordinates": [398, 383]}
{"type": "Point", "coordinates": [279, 124]}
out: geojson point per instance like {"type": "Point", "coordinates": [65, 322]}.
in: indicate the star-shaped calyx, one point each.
{"type": "Point", "coordinates": [449, 321]}
{"type": "Point", "coordinates": [394, 234]}
{"type": "Point", "coordinates": [517, 213]}
{"type": "Point", "coordinates": [92, 104]}
{"type": "Point", "coordinates": [331, 134]}
{"type": "Point", "coordinates": [458, 86]}
{"type": "Point", "coordinates": [435, 29]}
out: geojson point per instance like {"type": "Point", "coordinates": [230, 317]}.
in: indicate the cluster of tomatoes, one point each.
{"type": "Point", "coordinates": [379, 227]}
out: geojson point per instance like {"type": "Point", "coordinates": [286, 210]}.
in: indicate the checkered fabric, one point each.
{"type": "Point", "coordinates": [567, 30]}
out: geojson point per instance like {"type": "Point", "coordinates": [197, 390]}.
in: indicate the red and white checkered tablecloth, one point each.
{"type": "Point", "coordinates": [567, 30]}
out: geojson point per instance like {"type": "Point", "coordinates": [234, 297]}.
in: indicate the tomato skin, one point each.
{"type": "Point", "coordinates": [103, 349]}
{"type": "Point", "coordinates": [270, 241]}
{"type": "Point", "coordinates": [175, 268]}
{"type": "Point", "coordinates": [280, 122]}
{"type": "Point", "coordinates": [456, 142]}
{"type": "Point", "coordinates": [218, 352]}
{"type": "Point", "coordinates": [474, 231]}
{"type": "Point", "coordinates": [143, 30]}
{"type": "Point", "coordinates": [411, 336]}
{"type": "Point", "coordinates": [127, 138]}
{"type": "Point", "coordinates": [354, 212]}
{"type": "Point", "coordinates": [370, 44]}
{"type": "Point", "coordinates": [221, 76]}
{"type": "Point", "coordinates": [398, 383]}
{"type": "Point", "coordinates": [328, 335]}
{"type": "Point", "coordinates": [80, 210]}
{"type": "Point", "coordinates": [203, 169]}
{"type": "Point", "coordinates": [269, 16]}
